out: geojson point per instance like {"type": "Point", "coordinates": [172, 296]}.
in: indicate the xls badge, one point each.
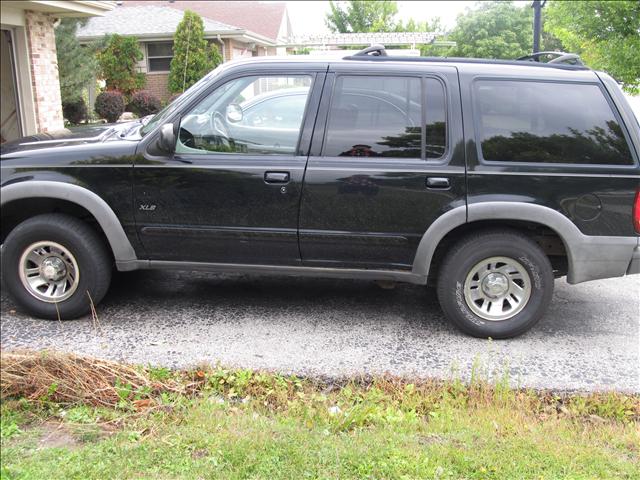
{"type": "Point", "coordinates": [147, 207]}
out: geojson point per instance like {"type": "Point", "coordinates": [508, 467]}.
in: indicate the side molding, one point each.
{"type": "Point", "coordinates": [122, 250]}
{"type": "Point", "coordinates": [589, 257]}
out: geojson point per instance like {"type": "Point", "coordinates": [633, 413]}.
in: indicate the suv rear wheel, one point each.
{"type": "Point", "coordinates": [495, 284]}
{"type": "Point", "coordinates": [55, 266]}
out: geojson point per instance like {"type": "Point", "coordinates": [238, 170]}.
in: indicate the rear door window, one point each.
{"type": "Point", "coordinates": [547, 122]}
{"type": "Point", "coordinates": [375, 117]}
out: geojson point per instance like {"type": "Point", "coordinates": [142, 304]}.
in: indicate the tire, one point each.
{"type": "Point", "coordinates": [495, 284]}
{"type": "Point", "coordinates": [70, 252]}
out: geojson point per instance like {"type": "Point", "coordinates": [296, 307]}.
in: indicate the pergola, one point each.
{"type": "Point", "coordinates": [348, 39]}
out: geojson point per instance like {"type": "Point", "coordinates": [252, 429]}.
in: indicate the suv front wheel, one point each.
{"type": "Point", "coordinates": [56, 266]}
{"type": "Point", "coordinates": [495, 284]}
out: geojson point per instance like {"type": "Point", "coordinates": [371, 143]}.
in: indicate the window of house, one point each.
{"type": "Point", "coordinates": [159, 56]}
{"type": "Point", "coordinates": [548, 122]}
{"type": "Point", "coordinates": [380, 116]}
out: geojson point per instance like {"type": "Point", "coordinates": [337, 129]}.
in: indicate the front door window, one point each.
{"type": "Point", "coordinates": [250, 115]}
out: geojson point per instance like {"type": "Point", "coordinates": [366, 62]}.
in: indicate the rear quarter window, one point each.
{"type": "Point", "coordinates": [547, 122]}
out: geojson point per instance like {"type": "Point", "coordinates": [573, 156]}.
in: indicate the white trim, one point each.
{"type": "Point", "coordinates": [71, 8]}
{"type": "Point", "coordinates": [12, 17]}
{"type": "Point", "coordinates": [24, 87]}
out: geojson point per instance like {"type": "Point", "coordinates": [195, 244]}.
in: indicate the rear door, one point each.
{"type": "Point", "coordinates": [387, 159]}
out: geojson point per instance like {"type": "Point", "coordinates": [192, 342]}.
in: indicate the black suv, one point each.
{"type": "Point", "coordinates": [486, 178]}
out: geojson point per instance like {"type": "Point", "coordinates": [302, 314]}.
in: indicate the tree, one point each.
{"type": "Point", "coordinates": [77, 65]}
{"type": "Point", "coordinates": [362, 16]}
{"type": "Point", "coordinates": [119, 64]}
{"type": "Point", "coordinates": [605, 34]}
{"type": "Point", "coordinates": [193, 57]}
{"type": "Point", "coordinates": [493, 30]}
{"type": "Point", "coordinates": [433, 25]}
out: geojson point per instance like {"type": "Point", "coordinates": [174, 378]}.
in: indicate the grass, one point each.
{"type": "Point", "coordinates": [247, 424]}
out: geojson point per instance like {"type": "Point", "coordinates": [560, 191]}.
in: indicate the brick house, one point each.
{"type": "Point", "coordinates": [161, 18]}
{"type": "Point", "coordinates": [30, 89]}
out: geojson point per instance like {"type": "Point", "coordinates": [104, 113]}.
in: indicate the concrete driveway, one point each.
{"type": "Point", "coordinates": [589, 339]}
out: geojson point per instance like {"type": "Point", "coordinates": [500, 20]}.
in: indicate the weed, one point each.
{"type": "Point", "coordinates": [224, 423]}
{"type": "Point", "coordinates": [159, 373]}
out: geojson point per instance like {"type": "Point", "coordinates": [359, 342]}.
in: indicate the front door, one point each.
{"type": "Point", "coordinates": [231, 191]}
{"type": "Point", "coordinates": [390, 163]}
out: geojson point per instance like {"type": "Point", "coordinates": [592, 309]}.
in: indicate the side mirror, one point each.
{"type": "Point", "coordinates": [234, 113]}
{"type": "Point", "coordinates": [167, 140]}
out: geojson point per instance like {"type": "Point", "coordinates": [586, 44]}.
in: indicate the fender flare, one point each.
{"type": "Point", "coordinates": [589, 257]}
{"type": "Point", "coordinates": [121, 247]}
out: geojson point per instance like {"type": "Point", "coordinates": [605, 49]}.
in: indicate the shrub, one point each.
{"type": "Point", "coordinates": [144, 103]}
{"type": "Point", "coordinates": [110, 105]}
{"type": "Point", "coordinates": [75, 111]}
{"type": "Point", "coordinates": [193, 57]}
{"type": "Point", "coordinates": [77, 65]}
{"type": "Point", "coordinates": [119, 64]}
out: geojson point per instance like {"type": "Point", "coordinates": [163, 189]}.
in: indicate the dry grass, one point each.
{"type": "Point", "coordinates": [215, 422]}
{"type": "Point", "coordinates": [70, 379]}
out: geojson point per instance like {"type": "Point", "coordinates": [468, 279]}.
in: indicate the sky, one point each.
{"type": "Point", "coordinates": [307, 17]}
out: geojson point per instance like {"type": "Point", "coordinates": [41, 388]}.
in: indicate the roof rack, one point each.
{"type": "Point", "coordinates": [560, 57]}
{"type": "Point", "coordinates": [564, 61]}
{"type": "Point", "coordinates": [375, 50]}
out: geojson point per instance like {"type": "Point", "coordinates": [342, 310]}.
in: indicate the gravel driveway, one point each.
{"type": "Point", "coordinates": [589, 339]}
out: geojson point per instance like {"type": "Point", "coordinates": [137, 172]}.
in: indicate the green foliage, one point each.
{"type": "Point", "coordinates": [247, 424]}
{"type": "Point", "coordinates": [75, 111]}
{"type": "Point", "coordinates": [301, 51]}
{"type": "Point", "coordinates": [81, 414]}
{"type": "Point", "coordinates": [493, 30]}
{"type": "Point", "coordinates": [193, 57]}
{"type": "Point", "coordinates": [159, 373]}
{"type": "Point", "coordinates": [77, 65]}
{"type": "Point", "coordinates": [144, 103]}
{"type": "Point", "coordinates": [605, 34]}
{"type": "Point", "coordinates": [9, 423]}
{"type": "Point", "coordinates": [362, 16]}
{"type": "Point", "coordinates": [119, 64]}
{"type": "Point", "coordinates": [109, 105]}
{"type": "Point", "coordinates": [434, 25]}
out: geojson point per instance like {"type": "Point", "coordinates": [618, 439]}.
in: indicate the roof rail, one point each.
{"type": "Point", "coordinates": [560, 57]}
{"type": "Point", "coordinates": [564, 61]}
{"type": "Point", "coordinates": [376, 50]}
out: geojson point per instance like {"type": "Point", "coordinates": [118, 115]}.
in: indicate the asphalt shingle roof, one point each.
{"type": "Point", "coordinates": [143, 21]}
{"type": "Point", "coordinates": [263, 18]}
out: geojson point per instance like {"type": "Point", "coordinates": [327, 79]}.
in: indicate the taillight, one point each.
{"type": "Point", "coordinates": [636, 212]}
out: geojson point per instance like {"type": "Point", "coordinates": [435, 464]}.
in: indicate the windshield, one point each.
{"type": "Point", "coordinates": [167, 111]}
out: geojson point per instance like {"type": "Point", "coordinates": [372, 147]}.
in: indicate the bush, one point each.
{"type": "Point", "coordinates": [119, 64]}
{"type": "Point", "coordinates": [193, 56]}
{"type": "Point", "coordinates": [110, 105]}
{"type": "Point", "coordinates": [144, 103]}
{"type": "Point", "coordinates": [75, 111]}
{"type": "Point", "coordinates": [77, 64]}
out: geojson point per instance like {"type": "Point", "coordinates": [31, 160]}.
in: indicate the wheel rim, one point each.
{"type": "Point", "coordinates": [49, 272]}
{"type": "Point", "coordinates": [497, 288]}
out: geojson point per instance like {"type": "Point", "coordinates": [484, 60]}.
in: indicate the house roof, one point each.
{"type": "Point", "coordinates": [145, 21]}
{"type": "Point", "coordinates": [259, 17]}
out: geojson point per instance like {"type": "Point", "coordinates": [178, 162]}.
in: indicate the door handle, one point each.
{"type": "Point", "coordinates": [440, 183]}
{"type": "Point", "coordinates": [276, 177]}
